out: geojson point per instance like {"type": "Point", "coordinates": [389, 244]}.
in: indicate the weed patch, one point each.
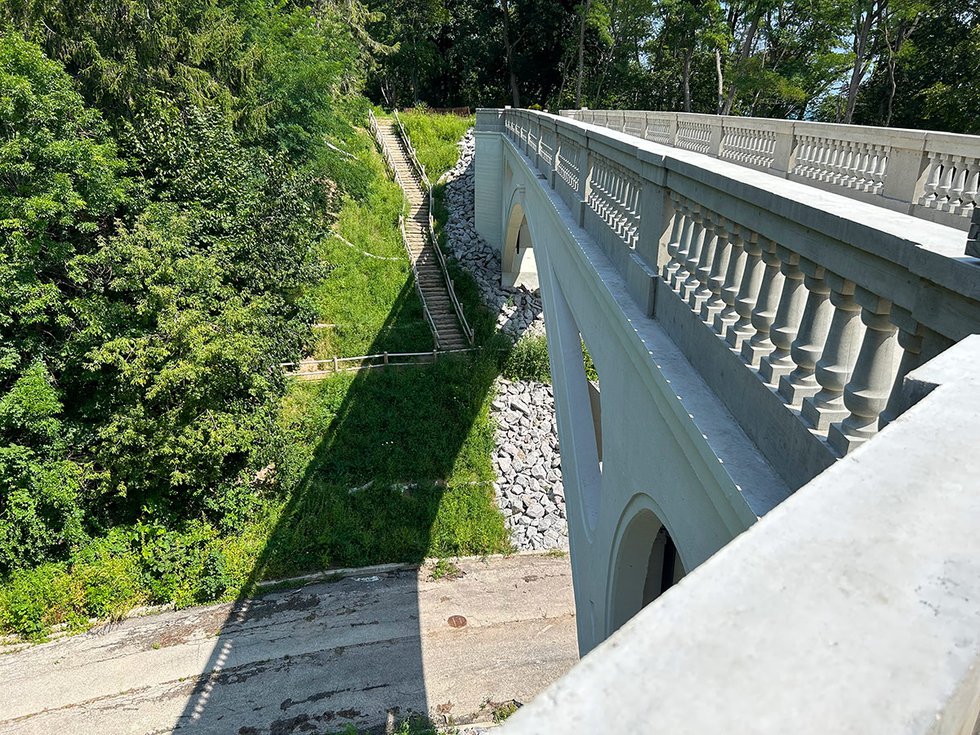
{"type": "Point", "coordinates": [436, 138]}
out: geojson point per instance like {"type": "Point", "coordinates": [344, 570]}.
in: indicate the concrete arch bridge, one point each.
{"type": "Point", "coordinates": [769, 313]}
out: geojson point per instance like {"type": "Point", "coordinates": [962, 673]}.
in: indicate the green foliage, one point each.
{"type": "Point", "coordinates": [929, 52]}
{"type": "Point", "coordinates": [440, 133]}
{"type": "Point", "coordinates": [59, 188]}
{"type": "Point", "coordinates": [169, 173]}
{"type": "Point", "coordinates": [172, 179]}
{"type": "Point", "coordinates": [370, 301]}
{"type": "Point", "coordinates": [914, 60]}
{"type": "Point", "coordinates": [528, 360]}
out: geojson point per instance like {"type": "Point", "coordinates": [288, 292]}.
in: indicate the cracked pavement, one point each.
{"type": "Point", "coordinates": [360, 651]}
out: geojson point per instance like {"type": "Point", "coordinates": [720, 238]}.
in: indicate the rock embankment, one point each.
{"type": "Point", "coordinates": [529, 488]}
{"type": "Point", "coordinates": [518, 309]}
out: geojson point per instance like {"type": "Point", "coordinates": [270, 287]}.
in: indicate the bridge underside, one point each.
{"type": "Point", "coordinates": [658, 473]}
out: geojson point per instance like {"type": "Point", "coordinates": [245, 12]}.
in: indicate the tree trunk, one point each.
{"type": "Point", "coordinates": [747, 44]}
{"type": "Point", "coordinates": [721, 82]}
{"type": "Point", "coordinates": [688, 53]}
{"type": "Point", "coordinates": [904, 31]}
{"type": "Point", "coordinates": [581, 54]}
{"type": "Point", "coordinates": [861, 36]}
{"type": "Point", "coordinates": [509, 50]}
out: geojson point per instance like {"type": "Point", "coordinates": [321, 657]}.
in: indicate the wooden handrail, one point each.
{"type": "Point", "coordinates": [440, 257]}
{"type": "Point", "coordinates": [390, 162]}
{"type": "Point", "coordinates": [365, 362]}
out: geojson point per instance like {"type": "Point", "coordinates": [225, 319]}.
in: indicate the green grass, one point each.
{"type": "Point", "coordinates": [372, 302]}
{"type": "Point", "coordinates": [416, 441]}
{"type": "Point", "coordinates": [528, 360]}
{"type": "Point", "coordinates": [436, 139]}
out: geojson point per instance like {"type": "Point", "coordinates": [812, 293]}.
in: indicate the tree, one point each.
{"type": "Point", "coordinates": [60, 187]}
{"type": "Point", "coordinates": [867, 15]}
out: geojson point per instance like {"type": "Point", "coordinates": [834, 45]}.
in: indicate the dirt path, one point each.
{"type": "Point", "coordinates": [308, 660]}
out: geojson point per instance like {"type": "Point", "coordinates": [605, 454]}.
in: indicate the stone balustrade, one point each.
{"type": "Point", "coordinates": [803, 310]}
{"type": "Point", "coordinates": [927, 174]}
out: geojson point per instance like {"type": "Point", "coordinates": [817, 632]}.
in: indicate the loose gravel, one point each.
{"type": "Point", "coordinates": [529, 488]}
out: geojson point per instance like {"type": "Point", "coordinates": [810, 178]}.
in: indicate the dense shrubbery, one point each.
{"type": "Point", "coordinates": [167, 176]}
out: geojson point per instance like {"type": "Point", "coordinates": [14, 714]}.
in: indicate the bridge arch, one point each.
{"type": "Point", "coordinates": [518, 266]}
{"type": "Point", "coordinates": [645, 562]}
{"type": "Point", "coordinates": [630, 442]}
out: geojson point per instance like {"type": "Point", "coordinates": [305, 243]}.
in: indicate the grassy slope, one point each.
{"type": "Point", "coordinates": [371, 301]}
{"type": "Point", "coordinates": [416, 441]}
{"type": "Point", "coordinates": [435, 138]}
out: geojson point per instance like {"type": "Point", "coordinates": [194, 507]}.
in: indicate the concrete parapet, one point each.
{"type": "Point", "coordinates": [851, 608]}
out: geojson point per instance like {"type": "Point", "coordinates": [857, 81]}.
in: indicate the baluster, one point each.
{"type": "Point", "coordinates": [910, 340]}
{"type": "Point", "coordinates": [779, 362]}
{"type": "Point", "coordinates": [919, 344]}
{"type": "Point", "coordinates": [861, 160]}
{"type": "Point", "coordinates": [871, 176]}
{"type": "Point", "coordinates": [802, 167]}
{"type": "Point", "coordinates": [958, 186]}
{"type": "Point", "coordinates": [866, 167]}
{"type": "Point", "coordinates": [702, 293]}
{"type": "Point", "coordinates": [673, 244]}
{"type": "Point", "coordinates": [837, 358]}
{"type": "Point", "coordinates": [930, 190]}
{"type": "Point", "coordinates": [748, 291]}
{"type": "Point", "coordinates": [833, 159]}
{"type": "Point", "coordinates": [816, 159]}
{"type": "Point", "coordinates": [808, 345]}
{"type": "Point", "coordinates": [841, 163]}
{"type": "Point", "coordinates": [969, 198]}
{"type": "Point", "coordinates": [946, 183]}
{"type": "Point", "coordinates": [693, 253]}
{"type": "Point", "coordinates": [683, 243]}
{"type": "Point", "coordinates": [866, 393]}
{"type": "Point", "coordinates": [764, 312]}
{"type": "Point", "coordinates": [824, 158]}
{"type": "Point", "coordinates": [733, 282]}
{"type": "Point", "coordinates": [880, 168]}
{"type": "Point", "coordinates": [716, 276]}
{"type": "Point", "coordinates": [853, 165]}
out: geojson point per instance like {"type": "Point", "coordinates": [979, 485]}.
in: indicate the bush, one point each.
{"type": "Point", "coordinates": [528, 360]}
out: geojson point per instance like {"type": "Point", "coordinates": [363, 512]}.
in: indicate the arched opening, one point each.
{"type": "Point", "coordinates": [518, 267]}
{"type": "Point", "coordinates": [647, 565]}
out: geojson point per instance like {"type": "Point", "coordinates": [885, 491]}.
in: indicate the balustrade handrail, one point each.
{"type": "Point", "coordinates": [862, 591]}
{"type": "Point", "coordinates": [928, 174]}
{"type": "Point", "coordinates": [443, 266]}
{"type": "Point", "coordinates": [830, 301]}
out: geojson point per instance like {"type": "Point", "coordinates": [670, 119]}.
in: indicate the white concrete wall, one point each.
{"type": "Point", "coordinates": [669, 446]}
{"type": "Point", "coordinates": [852, 609]}
{"type": "Point", "coordinates": [488, 187]}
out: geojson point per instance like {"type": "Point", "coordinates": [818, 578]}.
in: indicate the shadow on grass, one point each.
{"type": "Point", "coordinates": [401, 471]}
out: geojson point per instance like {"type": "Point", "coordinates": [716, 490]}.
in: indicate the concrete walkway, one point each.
{"type": "Point", "coordinates": [361, 651]}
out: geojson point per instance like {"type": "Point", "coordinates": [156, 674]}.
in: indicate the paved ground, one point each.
{"type": "Point", "coordinates": [307, 660]}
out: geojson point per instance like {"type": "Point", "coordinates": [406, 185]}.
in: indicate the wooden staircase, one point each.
{"type": "Point", "coordinates": [432, 283]}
